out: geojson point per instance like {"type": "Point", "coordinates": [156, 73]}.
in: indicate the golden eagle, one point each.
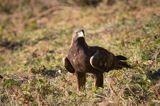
{"type": "Point", "coordinates": [82, 59]}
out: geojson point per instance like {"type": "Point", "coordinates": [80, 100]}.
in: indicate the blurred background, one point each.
{"type": "Point", "coordinates": [36, 34]}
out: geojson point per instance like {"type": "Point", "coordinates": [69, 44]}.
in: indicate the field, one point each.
{"type": "Point", "coordinates": [35, 36]}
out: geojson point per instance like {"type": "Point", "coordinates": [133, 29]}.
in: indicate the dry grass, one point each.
{"type": "Point", "coordinates": [34, 37]}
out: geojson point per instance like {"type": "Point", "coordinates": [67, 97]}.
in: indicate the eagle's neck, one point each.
{"type": "Point", "coordinates": [80, 43]}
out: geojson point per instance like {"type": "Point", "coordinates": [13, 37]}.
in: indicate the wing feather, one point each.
{"type": "Point", "coordinates": [68, 65]}
{"type": "Point", "coordinates": [102, 60]}
{"type": "Point", "coordinates": [120, 57]}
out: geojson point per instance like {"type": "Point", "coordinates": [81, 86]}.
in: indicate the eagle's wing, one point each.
{"type": "Point", "coordinates": [67, 65]}
{"type": "Point", "coordinates": [102, 60]}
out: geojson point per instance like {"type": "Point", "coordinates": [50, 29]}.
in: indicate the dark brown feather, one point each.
{"type": "Point", "coordinates": [82, 59]}
{"type": "Point", "coordinates": [68, 65]}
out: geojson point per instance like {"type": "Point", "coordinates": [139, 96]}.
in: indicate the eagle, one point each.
{"type": "Point", "coordinates": [82, 59]}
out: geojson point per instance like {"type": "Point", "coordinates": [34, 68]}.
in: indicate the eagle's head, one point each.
{"type": "Point", "coordinates": [79, 34]}
{"type": "Point", "coordinates": [78, 37]}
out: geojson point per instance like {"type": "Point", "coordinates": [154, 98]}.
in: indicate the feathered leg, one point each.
{"type": "Point", "coordinates": [99, 80]}
{"type": "Point", "coordinates": [81, 80]}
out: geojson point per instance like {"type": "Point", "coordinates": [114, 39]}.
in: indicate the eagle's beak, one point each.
{"type": "Point", "coordinates": [80, 33]}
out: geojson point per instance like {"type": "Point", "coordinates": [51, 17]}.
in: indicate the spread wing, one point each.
{"type": "Point", "coordinates": [102, 60]}
{"type": "Point", "coordinates": [67, 65]}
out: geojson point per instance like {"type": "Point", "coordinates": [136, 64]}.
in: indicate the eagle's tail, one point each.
{"type": "Point", "coordinates": [120, 57]}
{"type": "Point", "coordinates": [124, 64]}
{"type": "Point", "coordinates": [121, 62]}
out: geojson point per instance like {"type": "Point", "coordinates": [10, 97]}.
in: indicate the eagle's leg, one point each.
{"type": "Point", "coordinates": [81, 80]}
{"type": "Point", "coordinates": [99, 80]}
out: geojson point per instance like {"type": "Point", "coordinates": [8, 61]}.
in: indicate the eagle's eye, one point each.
{"type": "Point", "coordinates": [80, 34]}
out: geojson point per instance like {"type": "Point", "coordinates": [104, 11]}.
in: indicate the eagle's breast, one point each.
{"type": "Point", "coordinates": [78, 58]}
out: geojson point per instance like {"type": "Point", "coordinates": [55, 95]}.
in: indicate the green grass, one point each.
{"type": "Point", "coordinates": [31, 54]}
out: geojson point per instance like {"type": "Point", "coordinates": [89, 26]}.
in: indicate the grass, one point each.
{"type": "Point", "coordinates": [31, 52]}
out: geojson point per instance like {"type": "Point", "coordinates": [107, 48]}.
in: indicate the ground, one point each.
{"type": "Point", "coordinates": [35, 36]}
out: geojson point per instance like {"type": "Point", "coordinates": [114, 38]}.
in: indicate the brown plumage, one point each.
{"type": "Point", "coordinates": [82, 59]}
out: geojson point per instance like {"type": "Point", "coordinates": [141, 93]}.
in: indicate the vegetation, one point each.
{"type": "Point", "coordinates": [35, 36]}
